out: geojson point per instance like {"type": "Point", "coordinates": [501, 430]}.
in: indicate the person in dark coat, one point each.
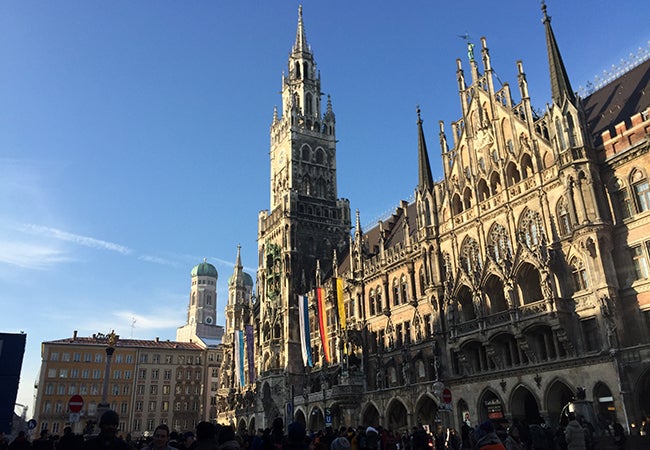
{"type": "Point", "coordinates": [107, 438]}
{"type": "Point", "coordinates": [20, 443]}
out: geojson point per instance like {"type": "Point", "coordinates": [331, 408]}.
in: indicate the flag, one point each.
{"type": "Point", "coordinates": [339, 301]}
{"type": "Point", "coordinates": [239, 357]}
{"type": "Point", "coordinates": [322, 324]}
{"type": "Point", "coordinates": [250, 352]}
{"type": "Point", "coordinates": [305, 334]}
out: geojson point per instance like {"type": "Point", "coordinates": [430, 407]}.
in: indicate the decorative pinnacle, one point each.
{"type": "Point", "coordinates": [546, 16]}
{"type": "Point", "coordinates": [417, 109]}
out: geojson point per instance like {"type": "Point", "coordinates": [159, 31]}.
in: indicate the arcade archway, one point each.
{"type": "Point", "coordinates": [370, 416]}
{"type": "Point", "coordinates": [558, 396]}
{"type": "Point", "coordinates": [396, 416]}
{"type": "Point", "coordinates": [524, 406]}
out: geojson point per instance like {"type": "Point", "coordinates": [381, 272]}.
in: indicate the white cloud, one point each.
{"type": "Point", "coordinates": [32, 256]}
{"type": "Point", "coordinates": [156, 260]}
{"type": "Point", "coordinates": [77, 239]}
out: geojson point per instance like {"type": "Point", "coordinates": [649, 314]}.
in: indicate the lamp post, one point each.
{"type": "Point", "coordinates": [111, 339]}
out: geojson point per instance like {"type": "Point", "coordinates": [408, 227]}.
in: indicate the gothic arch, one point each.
{"type": "Point", "coordinates": [512, 174]}
{"type": "Point", "coordinates": [426, 409]}
{"type": "Point", "coordinates": [305, 151]}
{"type": "Point", "coordinates": [483, 190]}
{"type": "Point", "coordinates": [241, 425]}
{"type": "Point", "coordinates": [320, 156]}
{"type": "Point", "coordinates": [370, 415]}
{"type": "Point", "coordinates": [470, 256]}
{"type": "Point", "coordinates": [524, 404]}
{"type": "Point", "coordinates": [499, 245]}
{"type": "Point", "coordinates": [316, 419]}
{"type": "Point", "coordinates": [558, 394]}
{"type": "Point", "coordinates": [563, 217]}
{"type": "Point", "coordinates": [530, 229]}
{"type": "Point", "coordinates": [604, 401]}
{"type": "Point", "coordinates": [456, 204]}
{"type": "Point", "coordinates": [526, 166]}
{"type": "Point", "coordinates": [495, 182]}
{"type": "Point", "coordinates": [489, 405]}
{"type": "Point", "coordinates": [465, 304]}
{"type": "Point", "coordinates": [495, 293]}
{"type": "Point", "coordinates": [467, 198]}
{"type": "Point", "coordinates": [528, 283]}
{"type": "Point", "coordinates": [396, 415]}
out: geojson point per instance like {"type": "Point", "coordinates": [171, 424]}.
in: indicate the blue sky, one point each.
{"type": "Point", "coordinates": [134, 136]}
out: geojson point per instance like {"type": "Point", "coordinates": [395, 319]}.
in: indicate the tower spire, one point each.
{"type": "Point", "coordinates": [560, 85]}
{"type": "Point", "coordinates": [301, 39]}
{"type": "Point", "coordinates": [425, 179]}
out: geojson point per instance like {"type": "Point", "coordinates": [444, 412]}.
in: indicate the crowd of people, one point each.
{"type": "Point", "coordinates": [573, 433]}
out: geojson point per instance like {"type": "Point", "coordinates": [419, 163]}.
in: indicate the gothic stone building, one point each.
{"type": "Point", "coordinates": [515, 287]}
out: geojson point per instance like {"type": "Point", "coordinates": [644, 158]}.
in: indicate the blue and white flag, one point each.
{"type": "Point", "coordinates": [305, 335]}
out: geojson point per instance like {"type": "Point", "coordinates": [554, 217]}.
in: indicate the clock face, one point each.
{"type": "Point", "coordinates": [208, 320]}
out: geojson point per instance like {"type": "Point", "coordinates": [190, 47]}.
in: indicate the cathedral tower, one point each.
{"type": "Point", "coordinates": [305, 224]}
{"type": "Point", "coordinates": [202, 308]}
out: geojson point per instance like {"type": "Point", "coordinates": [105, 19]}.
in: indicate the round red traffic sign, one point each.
{"type": "Point", "coordinates": [446, 395]}
{"type": "Point", "coordinates": [75, 403]}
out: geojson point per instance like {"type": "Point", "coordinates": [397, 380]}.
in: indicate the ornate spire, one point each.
{"type": "Point", "coordinates": [560, 85]}
{"type": "Point", "coordinates": [301, 39]}
{"type": "Point", "coordinates": [238, 261]}
{"type": "Point", "coordinates": [425, 179]}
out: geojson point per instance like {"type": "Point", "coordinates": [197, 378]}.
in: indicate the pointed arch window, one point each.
{"type": "Point", "coordinates": [530, 230]}
{"type": "Point", "coordinates": [380, 307]}
{"type": "Point", "coordinates": [579, 275]}
{"type": "Point", "coordinates": [456, 204]}
{"type": "Point", "coordinates": [404, 289]}
{"type": "Point", "coordinates": [571, 130]}
{"type": "Point", "coordinates": [467, 198]}
{"type": "Point", "coordinates": [372, 303]}
{"type": "Point", "coordinates": [495, 183]}
{"type": "Point", "coordinates": [427, 213]}
{"type": "Point", "coordinates": [396, 300]}
{"type": "Point", "coordinates": [309, 109]}
{"type": "Point", "coordinates": [499, 244]}
{"type": "Point", "coordinates": [512, 174]}
{"type": "Point", "coordinates": [423, 282]}
{"type": "Point", "coordinates": [470, 256]}
{"type": "Point", "coordinates": [559, 132]}
{"type": "Point", "coordinates": [641, 192]}
{"type": "Point", "coordinates": [526, 166]}
{"type": "Point", "coordinates": [563, 218]}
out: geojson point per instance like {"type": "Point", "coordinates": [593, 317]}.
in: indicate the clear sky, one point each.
{"type": "Point", "coordinates": [134, 135]}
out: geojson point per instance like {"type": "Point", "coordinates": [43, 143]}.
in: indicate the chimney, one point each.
{"type": "Point", "coordinates": [157, 339]}
{"type": "Point", "coordinates": [74, 335]}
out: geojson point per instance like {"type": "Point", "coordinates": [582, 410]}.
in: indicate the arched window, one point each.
{"type": "Point", "coordinates": [560, 134]}
{"type": "Point", "coordinates": [470, 256]}
{"type": "Point", "coordinates": [305, 71]}
{"type": "Point", "coordinates": [306, 154]}
{"type": "Point", "coordinates": [395, 294]}
{"type": "Point", "coordinates": [404, 289]}
{"type": "Point", "coordinates": [456, 204]}
{"type": "Point", "coordinates": [495, 183]}
{"type": "Point", "coordinates": [563, 218]}
{"type": "Point", "coordinates": [526, 166]}
{"type": "Point", "coordinates": [208, 300]}
{"type": "Point", "coordinates": [372, 306]}
{"type": "Point", "coordinates": [483, 191]}
{"type": "Point", "coordinates": [499, 243]}
{"type": "Point", "coordinates": [380, 307]}
{"type": "Point", "coordinates": [320, 156]}
{"type": "Point", "coordinates": [571, 130]}
{"type": "Point", "coordinates": [467, 198]}
{"type": "Point", "coordinates": [422, 281]}
{"type": "Point", "coordinates": [308, 104]}
{"type": "Point", "coordinates": [641, 190]}
{"type": "Point", "coordinates": [512, 174]}
{"type": "Point", "coordinates": [579, 275]}
{"type": "Point", "coordinates": [297, 69]}
{"type": "Point", "coordinates": [530, 229]}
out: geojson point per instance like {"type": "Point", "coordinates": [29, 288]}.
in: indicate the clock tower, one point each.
{"type": "Point", "coordinates": [306, 222]}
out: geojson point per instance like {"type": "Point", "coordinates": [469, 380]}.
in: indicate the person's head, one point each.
{"type": "Point", "coordinates": [205, 430]}
{"type": "Point", "coordinates": [67, 430]}
{"type": "Point", "coordinates": [340, 443]}
{"type": "Point", "coordinates": [108, 423]}
{"type": "Point", "coordinates": [160, 437]}
{"type": "Point", "coordinates": [227, 433]}
{"type": "Point", "coordinates": [296, 432]}
{"type": "Point", "coordinates": [188, 439]}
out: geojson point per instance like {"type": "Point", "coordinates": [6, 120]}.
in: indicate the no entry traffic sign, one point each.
{"type": "Point", "coordinates": [446, 395]}
{"type": "Point", "coordinates": [75, 403]}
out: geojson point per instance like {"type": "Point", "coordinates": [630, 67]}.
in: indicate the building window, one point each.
{"type": "Point", "coordinates": [49, 389]}
{"type": "Point", "coordinates": [144, 358]}
{"type": "Point", "coordinates": [51, 373]}
{"type": "Point", "coordinates": [137, 425]}
{"type": "Point", "coordinates": [156, 359]}
{"type": "Point", "coordinates": [129, 359]}
{"type": "Point", "coordinates": [590, 334]}
{"type": "Point", "coordinates": [563, 219]}
{"type": "Point", "coordinates": [97, 374]}
{"type": "Point", "coordinates": [54, 356]}
{"type": "Point", "coordinates": [142, 374]}
{"type": "Point", "coordinates": [99, 357]}
{"type": "Point", "coordinates": [640, 262]}
{"type": "Point", "coordinates": [127, 374]}
{"type": "Point", "coordinates": [579, 275]}
{"type": "Point", "coordinates": [74, 373]}
{"type": "Point", "coordinates": [85, 373]}
{"type": "Point", "coordinates": [154, 389]}
{"type": "Point", "coordinates": [88, 357]}
{"type": "Point", "coordinates": [117, 374]}
{"type": "Point", "coordinates": [118, 359]}
{"type": "Point", "coordinates": [140, 389]}
{"type": "Point", "coordinates": [65, 357]}
{"type": "Point", "coordinates": [166, 389]}
{"type": "Point", "coordinates": [404, 289]}
{"type": "Point", "coordinates": [125, 389]}
{"type": "Point", "coordinates": [154, 374]}
{"type": "Point", "coordinates": [167, 374]}
{"type": "Point", "coordinates": [642, 195]}
{"type": "Point", "coordinates": [138, 406]}
{"type": "Point", "coordinates": [152, 405]}
{"type": "Point", "coordinates": [60, 389]}
{"type": "Point", "coordinates": [77, 357]}
{"type": "Point", "coordinates": [63, 373]}
{"type": "Point", "coordinates": [58, 408]}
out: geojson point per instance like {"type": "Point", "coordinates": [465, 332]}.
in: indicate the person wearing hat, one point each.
{"type": "Point", "coordinates": [107, 438]}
